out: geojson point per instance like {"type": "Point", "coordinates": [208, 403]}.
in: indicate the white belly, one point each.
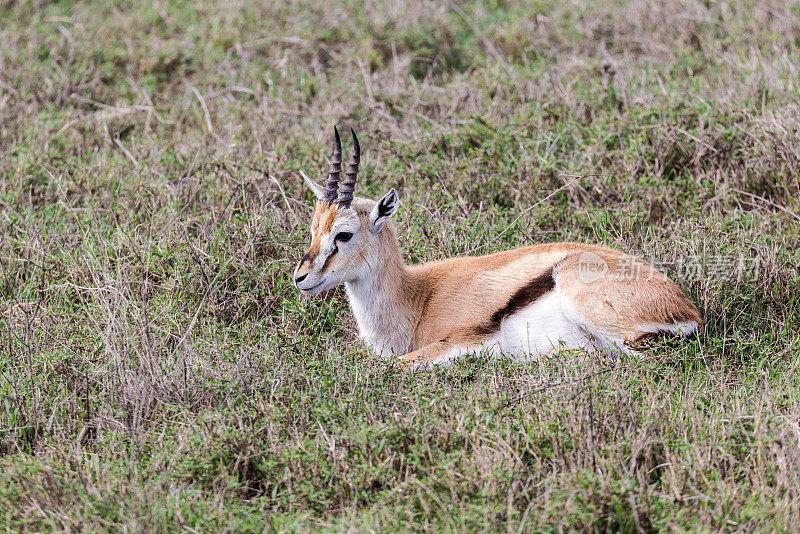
{"type": "Point", "coordinates": [550, 323]}
{"type": "Point", "coordinates": [538, 329]}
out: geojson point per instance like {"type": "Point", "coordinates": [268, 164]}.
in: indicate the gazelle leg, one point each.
{"type": "Point", "coordinates": [428, 354]}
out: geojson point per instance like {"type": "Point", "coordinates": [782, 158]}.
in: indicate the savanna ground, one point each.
{"type": "Point", "coordinates": [158, 371]}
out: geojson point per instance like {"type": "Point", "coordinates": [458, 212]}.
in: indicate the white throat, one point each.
{"type": "Point", "coordinates": [382, 310]}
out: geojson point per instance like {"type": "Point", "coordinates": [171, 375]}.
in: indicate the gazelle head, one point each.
{"type": "Point", "coordinates": [347, 234]}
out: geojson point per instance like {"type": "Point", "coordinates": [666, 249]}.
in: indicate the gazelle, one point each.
{"type": "Point", "coordinates": [520, 303]}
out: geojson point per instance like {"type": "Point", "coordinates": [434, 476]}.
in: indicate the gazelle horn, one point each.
{"type": "Point", "coordinates": [351, 178]}
{"type": "Point", "coordinates": [332, 183]}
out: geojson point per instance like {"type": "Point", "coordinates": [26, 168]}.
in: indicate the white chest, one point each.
{"type": "Point", "coordinates": [382, 324]}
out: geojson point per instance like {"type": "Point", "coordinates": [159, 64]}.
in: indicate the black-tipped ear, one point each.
{"type": "Point", "coordinates": [384, 208]}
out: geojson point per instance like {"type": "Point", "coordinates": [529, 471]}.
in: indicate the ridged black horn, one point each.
{"type": "Point", "coordinates": [332, 183]}
{"type": "Point", "coordinates": [351, 175]}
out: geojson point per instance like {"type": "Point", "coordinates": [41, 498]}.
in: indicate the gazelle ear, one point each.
{"type": "Point", "coordinates": [317, 189]}
{"type": "Point", "coordinates": [383, 209]}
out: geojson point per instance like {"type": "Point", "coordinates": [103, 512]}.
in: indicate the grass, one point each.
{"type": "Point", "coordinates": [159, 372]}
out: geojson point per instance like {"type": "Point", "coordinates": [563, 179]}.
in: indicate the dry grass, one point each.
{"type": "Point", "coordinates": [159, 372]}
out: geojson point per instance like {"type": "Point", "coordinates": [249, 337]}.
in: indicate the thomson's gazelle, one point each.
{"type": "Point", "coordinates": [523, 302]}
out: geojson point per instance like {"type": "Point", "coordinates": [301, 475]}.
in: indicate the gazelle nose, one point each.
{"type": "Point", "coordinates": [300, 278]}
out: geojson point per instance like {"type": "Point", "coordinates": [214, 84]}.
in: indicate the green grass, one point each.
{"type": "Point", "coordinates": [159, 372]}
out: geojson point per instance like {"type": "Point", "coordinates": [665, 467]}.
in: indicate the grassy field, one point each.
{"type": "Point", "coordinates": [159, 372]}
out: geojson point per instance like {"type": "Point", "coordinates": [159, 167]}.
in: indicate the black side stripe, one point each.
{"type": "Point", "coordinates": [524, 296]}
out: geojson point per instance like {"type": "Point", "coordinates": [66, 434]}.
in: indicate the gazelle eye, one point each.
{"type": "Point", "coordinates": [344, 237]}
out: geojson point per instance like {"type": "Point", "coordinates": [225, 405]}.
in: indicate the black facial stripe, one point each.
{"type": "Point", "coordinates": [304, 259]}
{"type": "Point", "coordinates": [329, 258]}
